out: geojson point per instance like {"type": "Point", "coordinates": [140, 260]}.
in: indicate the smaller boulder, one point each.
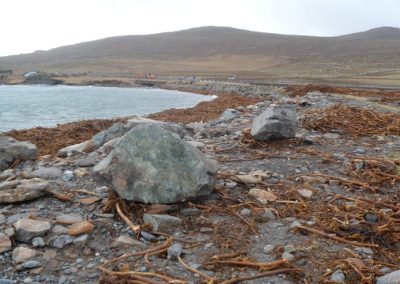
{"type": "Point", "coordinates": [276, 122]}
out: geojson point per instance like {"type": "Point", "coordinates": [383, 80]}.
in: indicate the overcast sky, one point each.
{"type": "Point", "coordinates": [29, 25]}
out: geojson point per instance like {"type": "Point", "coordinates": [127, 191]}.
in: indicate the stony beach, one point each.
{"type": "Point", "coordinates": [262, 185]}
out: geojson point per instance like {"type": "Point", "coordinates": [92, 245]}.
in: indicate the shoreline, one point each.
{"type": "Point", "coordinates": [229, 95]}
{"type": "Point", "coordinates": [50, 139]}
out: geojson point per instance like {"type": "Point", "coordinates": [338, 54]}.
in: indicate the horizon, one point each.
{"type": "Point", "coordinates": [41, 25]}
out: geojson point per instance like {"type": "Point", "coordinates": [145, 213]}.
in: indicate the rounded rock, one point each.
{"type": "Point", "coordinates": [268, 249]}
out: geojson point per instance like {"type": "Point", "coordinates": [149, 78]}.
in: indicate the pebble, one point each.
{"type": "Point", "coordinates": [371, 218]}
{"type": "Point", "coordinates": [128, 241]}
{"type": "Point", "coordinates": [21, 254]}
{"type": "Point", "coordinates": [174, 251]}
{"type": "Point", "coordinates": [287, 256]}
{"type": "Point", "coordinates": [5, 243]}
{"type": "Point", "coordinates": [268, 249]}
{"type": "Point", "coordinates": [6, 281]}
{"type": "Point", "coordinates": [59, 241]}
{"type": "Point", "coordinates": [147, 236]}
{"type": "Point", "coordinates": [14, 218]}
{"type": "Point", "coordinates": [59, 230]}
{"type": "Point", "coordinates": [208, 245]}
{"type": "Point", "coordinates": [47, 173]}
{"type": "Point", "coordinates": [80, 242]}
{"type": "Point", "coordinates": [31, 264]}
{"type": "Point", "coordinates": [194, 265]}
{"type": "Point", "coordinates": [2, 219]}
{"type": "Point", "coordinates": [93, 275]}
{"type": "Point", "coordinates": [206, 230]}
{"type": "Point", "coordinates": [231, 184]}
{"type": "Point", "coordinates": [68, 176]}
{"type": "Point", "coordinates": [332, 136]}
{"type": "Point", "coordinates": [85, 162]}
{"type": "Point", "coordinates": [162, 222]}
{"type": "Point", "coordinates": [364, 250]}
{"type": "Point", "coordinates": [27, 229]}
{"type": "Point", "coordinates": [104, 215]}
{"type": "Point", "coordinates": [334, 182]}
{"type": "Point", "coordinates": [69, 219]}
{"type": "Point", "coordinates": [269, 214]}
{"type": "Point", "coordinates": [28, 280]}
{"type": "Point", "coordinates": [91, 265]}
{"type": "Point", "coordinates": [80, 172]}
{"type": "Point", "coordinates": [359, 150]}
{"type": "Point", "coordinates": [63, 279]}
{"type": "Point", "coordinates": [245, 212]}
{"type": "Point", "coordinates": [289, 248]}
{"type": "Point", "coordinates": [38, 242]}
{"type": "Point", "coordinates": [79, 262]}
{"type": "Point", "coordinates": [338, 276]}
{"type": "Point", "coordinates": [102, 189]}
{"type": "Point", "coordinates": [305, 193]}
{"type": "Point", "coordinates": [295, 224]}
{"type": "Point", "coordinates": [188, 212]}
{"type": "Point", "coordinates": [9, 232]}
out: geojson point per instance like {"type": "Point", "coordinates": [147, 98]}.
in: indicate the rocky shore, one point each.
{"type": "Point", "coordinates": [263, 185]}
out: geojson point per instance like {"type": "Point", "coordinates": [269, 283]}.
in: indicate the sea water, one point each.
{"type": "Point", "coordinates": [26, 106]}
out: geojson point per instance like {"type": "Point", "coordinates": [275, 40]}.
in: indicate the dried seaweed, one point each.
{"type": "Point", "coordinates": [352, 120]}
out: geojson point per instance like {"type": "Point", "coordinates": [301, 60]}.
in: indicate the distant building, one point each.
{"type": "Point", "coordinates": [31, 74]}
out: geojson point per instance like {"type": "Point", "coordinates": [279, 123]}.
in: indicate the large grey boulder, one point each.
{"type": "Point", "coordinates": [119, 129]}
{"type": "Point", "coordinates": [106, 139]}
{"type": "Point", "coordinates": [153, 165]}
{"type": "Point", "coordinates": [276, 122]}
{"type": "Point", "coordinates": [12, 150]}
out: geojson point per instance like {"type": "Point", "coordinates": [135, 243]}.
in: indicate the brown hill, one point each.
{"type": "Point", "coordinates": [222, 50]}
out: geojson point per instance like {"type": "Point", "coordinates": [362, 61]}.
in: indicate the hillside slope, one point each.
{"type": "Point", "coordinates": [223, 50]}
